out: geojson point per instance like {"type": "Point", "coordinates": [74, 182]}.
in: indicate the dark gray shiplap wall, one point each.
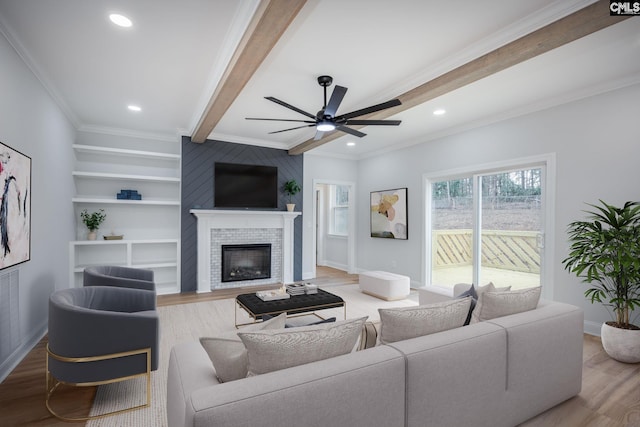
{"type": "Point", "coordinates": [197, 192]}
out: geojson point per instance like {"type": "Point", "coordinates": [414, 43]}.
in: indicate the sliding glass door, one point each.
{"type": "Point", "coordinates": [452, 232]}
{"type": "Point", "coordinates": [487, 228]}
{"type": "Point", "coordinates": [511, 228]}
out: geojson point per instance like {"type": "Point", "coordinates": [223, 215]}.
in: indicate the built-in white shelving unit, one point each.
{"type": "Point", "coordinates": [106, 164]}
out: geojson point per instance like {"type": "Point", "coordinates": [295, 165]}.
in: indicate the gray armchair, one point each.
{"type": "Point", "coordinates": [100, 335]}
{"type": "Point", "coordinates": [126, 277]}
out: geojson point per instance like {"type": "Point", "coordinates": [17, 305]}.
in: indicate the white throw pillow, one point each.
{"type": "Point", "coordinates": [490, 287]}
{"type": "Point", "coordinates": [497, 304]}
{"type": "Point", "coordinates": [409, 322]}
{"type": "Point", "coordinates": [273, 350]}
{"type": "Point", "coordinates": [229, 355]}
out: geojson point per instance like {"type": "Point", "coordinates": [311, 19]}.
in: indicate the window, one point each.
{"type": "Point", "coordinates": [339, 208]}
{"type": "Point", "coordinates": [487, 227]}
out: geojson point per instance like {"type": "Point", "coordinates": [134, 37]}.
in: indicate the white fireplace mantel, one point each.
{"type": "Point", "coordinates": [209, 219]}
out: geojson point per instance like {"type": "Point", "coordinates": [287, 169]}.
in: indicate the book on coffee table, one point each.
{"type": "Point", "coordinates": [295, 289]}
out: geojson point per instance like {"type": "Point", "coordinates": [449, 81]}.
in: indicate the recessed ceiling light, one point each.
{"type": "Point", "coordinates": [120, 20]}
{"type": "Point", "coordinates": [439, 112]}
{"type": "Point", "coordinates": [351, 144]}
{"type": "Point", "coordinates": [134, 108]}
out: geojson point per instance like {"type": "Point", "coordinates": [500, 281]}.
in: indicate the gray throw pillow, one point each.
{"type": "Point", "coordinates": [229, 355]}
{"type": "Point", "coordinates": [471, 292]}
{"type": "Point", "coordinates": [273, 350]}
{"type": "Point", "coordinates": [399, 324]}
{"type": "Point", "coordinates": [498, 304]}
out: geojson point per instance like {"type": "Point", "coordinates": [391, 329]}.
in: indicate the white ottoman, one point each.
{"type": "Point", "coordinates": [386, 286]}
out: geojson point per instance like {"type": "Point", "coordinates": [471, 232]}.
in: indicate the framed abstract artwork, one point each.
{"type": "Point", "coordinates": [15, 207]}
{"type": "Point", "coordinates": [389, 214]}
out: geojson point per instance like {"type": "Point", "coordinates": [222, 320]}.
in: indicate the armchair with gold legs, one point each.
{"type": "Point", "coordinates": [100, 335]}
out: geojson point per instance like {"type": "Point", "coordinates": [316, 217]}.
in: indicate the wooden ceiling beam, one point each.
{"type": "Point", "coordinates": [269, 22]}
{"type": "Point", "coordinates": [581, 23]}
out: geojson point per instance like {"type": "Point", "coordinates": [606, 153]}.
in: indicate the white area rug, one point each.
{"type": "Point", "coordinates": [187, 322]}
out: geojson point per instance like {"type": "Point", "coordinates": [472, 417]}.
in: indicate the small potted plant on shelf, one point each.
{"type": "Point", "coordinates": [93, 221]}
{"type": "Point", "coordinates": [291, 188]}
{"type": "Point", "coordinates": [605, 253]}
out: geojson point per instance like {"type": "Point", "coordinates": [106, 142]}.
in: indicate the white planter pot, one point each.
{"type": "Point", "coordinates": [291, 207]}
{"type": "Point", "coordinates": [621, 344]}
{"type": "Point", "coordinates": [91, 235]}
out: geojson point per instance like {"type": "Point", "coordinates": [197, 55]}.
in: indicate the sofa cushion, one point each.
{"type": "Point", "coordinates": [229, 355]}
{"type": "Point", "coordinates": [399, 324]}
{"type": "Point", "coordinates": [272, 350]}
{"type": "Point", "coordinates": [497, 304]}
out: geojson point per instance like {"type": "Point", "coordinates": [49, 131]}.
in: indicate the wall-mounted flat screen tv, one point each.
{"type": "Point", "coordinates": [245, 186]}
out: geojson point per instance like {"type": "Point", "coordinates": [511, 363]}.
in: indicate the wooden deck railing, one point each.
{"type": "Point", "coordinates": [509, 250]}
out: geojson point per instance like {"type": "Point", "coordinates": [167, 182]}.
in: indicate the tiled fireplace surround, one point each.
{"type": "Point", "coordinates": [230, 227]}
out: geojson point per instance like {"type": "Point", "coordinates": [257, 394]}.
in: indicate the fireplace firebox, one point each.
{"type": "Point", "coordinates": [246, 262]}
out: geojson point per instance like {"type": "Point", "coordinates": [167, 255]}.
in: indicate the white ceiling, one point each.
{"type": "Point", "coordinates": [170, 61]}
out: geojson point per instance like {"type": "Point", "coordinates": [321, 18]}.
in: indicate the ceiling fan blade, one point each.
{"type": "Point", "coordinates": [280, 120]}
{"type": "Point", "coordinates": [351, 131]}
{"type": "Point", "coordinates": [372, 109]}
{"type": "Point", "coordinates": [298, 127]}
{"type": "Point", "coordinates": [319, 135]}
{"type": "Point", "coordinates": [373, 122]}
{"type": "Point", "coordinates": [334, 102]}
{"type": "Point", "coordinates": [289, 106]}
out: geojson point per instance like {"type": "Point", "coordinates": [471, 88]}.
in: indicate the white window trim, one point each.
{"type": "Point", "coordinates": [332, 206]}
{"type": "Point", "coordinates": [549, 188]}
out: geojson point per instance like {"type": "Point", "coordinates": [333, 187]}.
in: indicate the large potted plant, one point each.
{"type": "Point", "coordinates": [291, 188]}
{"type": "Point", "coordinates": [605, 253]}
{"type": "Point", "coordinates": [93, 221]}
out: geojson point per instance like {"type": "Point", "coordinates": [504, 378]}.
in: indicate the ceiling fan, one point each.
{"type": "Point", "coordinates": [326, 120]}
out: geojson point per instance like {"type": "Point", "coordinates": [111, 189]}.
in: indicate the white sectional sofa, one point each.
{"type": "Point", "coordinates": [495, 373]}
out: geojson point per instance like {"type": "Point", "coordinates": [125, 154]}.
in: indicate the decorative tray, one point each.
{"type": "Point", "coordinates": [272, 295]}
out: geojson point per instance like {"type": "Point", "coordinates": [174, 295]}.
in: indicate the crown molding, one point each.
{"type": "Point", "coordinates": [38, 72]}
{"type": "Point", "coordinates": [503, 36]}
{"type": "Point", "coordinates": [531, 108]}
{"type": "Point", "coordinates": [167, 137]}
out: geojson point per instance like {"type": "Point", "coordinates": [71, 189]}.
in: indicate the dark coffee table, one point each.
{"type": "Point", "coordinates": [296, 304]}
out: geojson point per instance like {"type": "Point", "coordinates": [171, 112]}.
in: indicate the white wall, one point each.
{"type": "Point", "coordinates": [323, 169]}
{"type": "Point", "coordinates": [597, 153]}
{"type": "Point", "coordinates": [32, 123]}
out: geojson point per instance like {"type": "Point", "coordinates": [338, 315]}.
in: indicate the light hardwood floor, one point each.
{"type": "Point", "coordinates": [610, 394]}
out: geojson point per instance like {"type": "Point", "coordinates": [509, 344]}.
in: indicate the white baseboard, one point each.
{"type": "Point", "coordinates": [336, 265]}
{"type": "Point", "coordinates": [592, 328]}
{"type": "Point", "coordinates": [9, 364]}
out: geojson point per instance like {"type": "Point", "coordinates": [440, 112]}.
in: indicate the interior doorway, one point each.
{"type": "Point", "coordinates": [334, 221]}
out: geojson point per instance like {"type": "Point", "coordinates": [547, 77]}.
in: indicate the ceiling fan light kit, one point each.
{"type": "Point", "coordinates": [326, 120]}
{"type": "Point", "coordinates": [325, 126]}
